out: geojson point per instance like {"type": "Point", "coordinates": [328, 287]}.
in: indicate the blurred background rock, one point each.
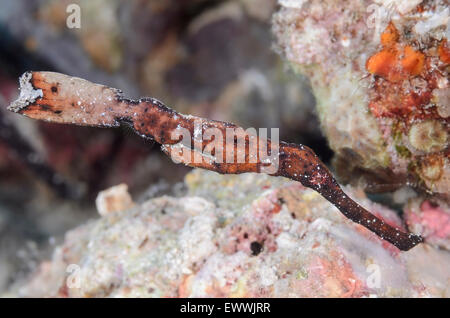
{"type": "Point", "coordinates": [204, 57]}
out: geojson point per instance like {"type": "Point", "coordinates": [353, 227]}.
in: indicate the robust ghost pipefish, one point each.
{"type": "Point", "coordinates": [63, 99]}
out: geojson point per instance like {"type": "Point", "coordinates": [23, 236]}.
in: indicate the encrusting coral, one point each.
{"type": "Point", "coordinates": [379, 71]}
{"type": "Point", "coordinates": [63, 99]}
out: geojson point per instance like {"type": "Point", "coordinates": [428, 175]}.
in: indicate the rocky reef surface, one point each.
{"type": "Point", "coordinates": [379, 71]}
{"type": "Point", "coordinates": [243, 235]}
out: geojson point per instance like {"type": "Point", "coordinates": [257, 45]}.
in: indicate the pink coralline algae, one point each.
{"type": "Point", "coordinates": [431, 219]}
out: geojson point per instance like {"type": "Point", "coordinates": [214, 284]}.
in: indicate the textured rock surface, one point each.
{"type": "Point", "coordinates": [247, 235]}
{"type": "Point", "coordinates": [379, 71]}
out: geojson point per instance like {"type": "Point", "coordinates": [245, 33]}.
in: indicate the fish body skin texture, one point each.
{"type": "Point", "coordinates": [63, 99]}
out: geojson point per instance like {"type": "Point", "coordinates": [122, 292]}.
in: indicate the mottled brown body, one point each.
{"type": "Point", "coordinates": [71, 100]}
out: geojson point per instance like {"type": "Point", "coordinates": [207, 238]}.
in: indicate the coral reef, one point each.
{"type": "Point", "coordinates": [379, 70]}
{"type": "Point", "coordinates": [245, 235]}
{"type": "Point", "coordinates": [379, 73]}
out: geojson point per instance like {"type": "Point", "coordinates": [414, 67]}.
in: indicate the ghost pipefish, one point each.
{"type": "Point", "coordinates": [60, 98]}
